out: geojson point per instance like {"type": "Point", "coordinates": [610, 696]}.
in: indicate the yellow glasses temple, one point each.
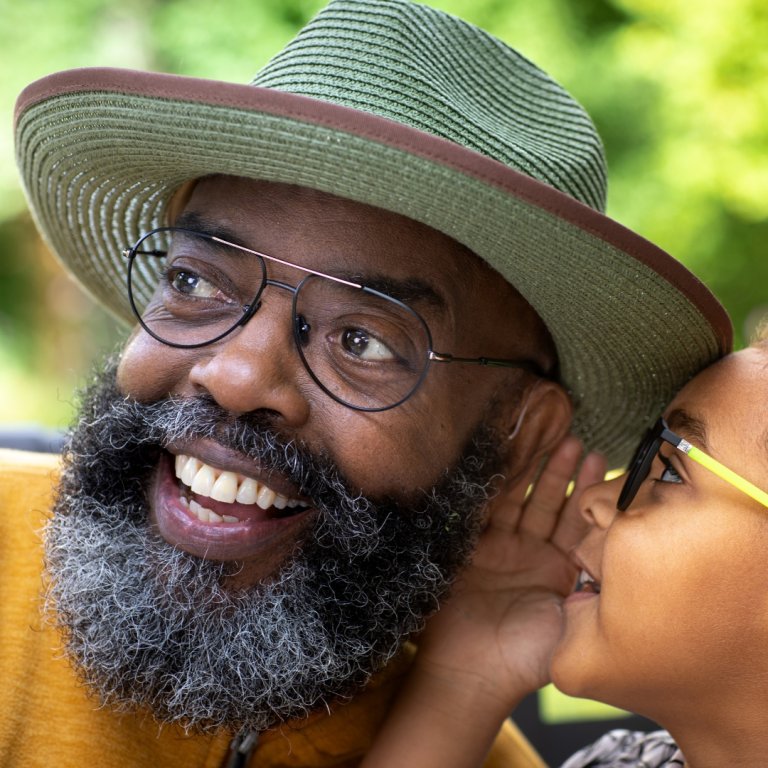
{"type": "Point", "coordinates": [713, 465]}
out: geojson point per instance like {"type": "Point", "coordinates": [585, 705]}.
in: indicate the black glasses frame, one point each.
{"type": "Point", "coordinates": [249, 310]}
{"type": "Point", "coordinates": [649, 447]}
{"type": "Point", "coordinates": [640, 466]}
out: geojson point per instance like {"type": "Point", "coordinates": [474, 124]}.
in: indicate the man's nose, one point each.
{"type": "Point", "coordinates": [256, 367]}
{"type": "Point", "coordinates": [598, 502]}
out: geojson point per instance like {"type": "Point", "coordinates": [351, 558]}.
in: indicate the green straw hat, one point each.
{"type": "Point", "coordinates": [403, 107]}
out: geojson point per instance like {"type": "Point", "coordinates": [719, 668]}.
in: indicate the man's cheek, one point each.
{"type": "Point", "coordinates": [135, 359]}
{"type": "Point", "coordinates": [394, 461]}
{"type": "Point", "coordinates": [148, 370]}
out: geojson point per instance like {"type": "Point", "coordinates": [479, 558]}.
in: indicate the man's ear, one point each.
{"type": "Point", "coordinates": [541, 420]}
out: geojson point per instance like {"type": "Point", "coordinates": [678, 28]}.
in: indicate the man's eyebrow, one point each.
{"type": "Point", "coordinates": [197, 223]}
{"type": "Point", "coordinates": [412, 290]}
{"type": "Point", "coordinates": [692, 427]}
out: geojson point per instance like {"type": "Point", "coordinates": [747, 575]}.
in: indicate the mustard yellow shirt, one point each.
{"type": "Point", "coordinates": [47, 718]}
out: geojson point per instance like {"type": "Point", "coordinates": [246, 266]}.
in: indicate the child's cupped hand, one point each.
{"type": "Point", "coordinates": [496, 632]}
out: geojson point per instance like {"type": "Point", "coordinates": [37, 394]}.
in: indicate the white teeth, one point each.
{"type": "Point", "coordinates": [588, 583]}
{"type": "Point", "coordinates": [204, 480]}
{"type": "Point", "coordinates": [205, 515]}
{"type": "Point", "coordinates": [247, 492]}
{"type": "Point", "coordinates": [227, 487]}
{"type": "Point", "coordinates": [189, 468]}
{"type": "Point", "coordinates": [266, 497]}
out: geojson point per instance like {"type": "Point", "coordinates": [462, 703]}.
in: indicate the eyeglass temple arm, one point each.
{"type": "Point", "coordinates": [713, 465]}
{"type": "Point", "coordinates": [497, 362]}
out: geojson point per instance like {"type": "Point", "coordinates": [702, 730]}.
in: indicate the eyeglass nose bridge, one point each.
{"type": "Point", "coordinates": [249, 310]}
{"type": "Point", "coordinates": [300, 326]}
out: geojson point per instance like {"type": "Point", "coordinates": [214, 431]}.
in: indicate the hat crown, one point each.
{"type": "Point", "coordinates": [424, 68]}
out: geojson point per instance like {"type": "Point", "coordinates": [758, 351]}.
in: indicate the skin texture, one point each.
{"type": "Point", "coordinates": [257, 369]}
{"type": "Point", "coordinates": [679, 630]}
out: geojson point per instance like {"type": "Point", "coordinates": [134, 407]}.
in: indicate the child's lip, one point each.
{"type": "Point", "coordinates": [588, 582]}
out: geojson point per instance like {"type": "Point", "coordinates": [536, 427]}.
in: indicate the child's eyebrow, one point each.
{"type": "Point", "coordinates": [693, 427]}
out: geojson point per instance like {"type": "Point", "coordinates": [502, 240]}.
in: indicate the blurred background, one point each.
{"type": "Point", "coordinates": [679, 93]}
{"type": "Point", "coordinates": [678, 90]}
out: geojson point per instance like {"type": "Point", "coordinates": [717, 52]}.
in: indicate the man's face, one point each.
{"type": "Point", "coordinates": [174, 589]}
{"type": "Point", "coordinates": [257, 370]}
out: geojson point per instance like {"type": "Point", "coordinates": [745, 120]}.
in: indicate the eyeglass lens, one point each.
{"type": "Point", "coordinates": [363, 348]}
{"type": "Point", "coordinates": [640, 466]}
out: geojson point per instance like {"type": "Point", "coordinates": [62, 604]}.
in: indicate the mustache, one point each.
{"type": "Point", "coordinates": [132, 429]}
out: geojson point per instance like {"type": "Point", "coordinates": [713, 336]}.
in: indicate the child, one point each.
{"type": "Point", "coordinates": [672, 618]}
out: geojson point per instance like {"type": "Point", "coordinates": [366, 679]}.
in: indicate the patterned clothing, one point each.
{"type": "Point", "coordinates": [629, 749]}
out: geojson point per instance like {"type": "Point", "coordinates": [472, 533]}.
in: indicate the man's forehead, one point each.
{"type": "Point", "coordinates": [381, 249]}
{"type": "Point", "coordinates": [410, 290]}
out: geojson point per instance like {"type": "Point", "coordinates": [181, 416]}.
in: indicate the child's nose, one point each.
{"type": "Point", "coordinates": [598, 502]}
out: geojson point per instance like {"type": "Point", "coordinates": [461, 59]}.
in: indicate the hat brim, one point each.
{"type": "Point", "coordinates": [102, 151]}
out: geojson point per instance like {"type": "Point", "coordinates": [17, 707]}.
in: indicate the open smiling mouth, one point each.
{"type": "Point", "coordinates": [587, 583]}
{"type": "Point", "coordinates": [222, 497]}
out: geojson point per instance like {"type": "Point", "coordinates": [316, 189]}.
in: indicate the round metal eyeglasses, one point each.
{"type": "Point", "coordinates": [365, 349]}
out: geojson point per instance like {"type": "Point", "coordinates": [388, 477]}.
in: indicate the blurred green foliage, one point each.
{"type": "Point", "coordinates": [678, 91]}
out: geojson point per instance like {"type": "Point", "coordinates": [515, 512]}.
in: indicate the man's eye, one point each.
{"type": "Point", "coordinates": [368, 348]}
{"type": "Point", "coordinates": [191, 284]}
{"type": "Point", "coordinates": [669, 474]}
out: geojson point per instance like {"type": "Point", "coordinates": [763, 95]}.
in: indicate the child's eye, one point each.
{"type": "Point", "coordinates": [670, 474]}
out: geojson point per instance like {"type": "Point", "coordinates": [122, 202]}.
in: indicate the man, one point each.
{"type": "Point", "coordinates": [363, 287]}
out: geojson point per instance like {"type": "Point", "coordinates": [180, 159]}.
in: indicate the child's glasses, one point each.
{"type": "Point", "coordinates": [646, 452]}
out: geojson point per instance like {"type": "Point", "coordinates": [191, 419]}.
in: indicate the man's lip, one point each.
{"type": "Point", "coordinates": [220, 457]}
{"type": "Point", "coordinates": [265, 537]}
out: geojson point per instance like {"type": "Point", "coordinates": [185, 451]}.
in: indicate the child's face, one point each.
{"type": "Point", "coordinates": [681, 616]}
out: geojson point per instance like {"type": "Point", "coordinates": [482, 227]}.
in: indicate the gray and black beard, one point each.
{"type": "Point", "coordinates": [150, 626]}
